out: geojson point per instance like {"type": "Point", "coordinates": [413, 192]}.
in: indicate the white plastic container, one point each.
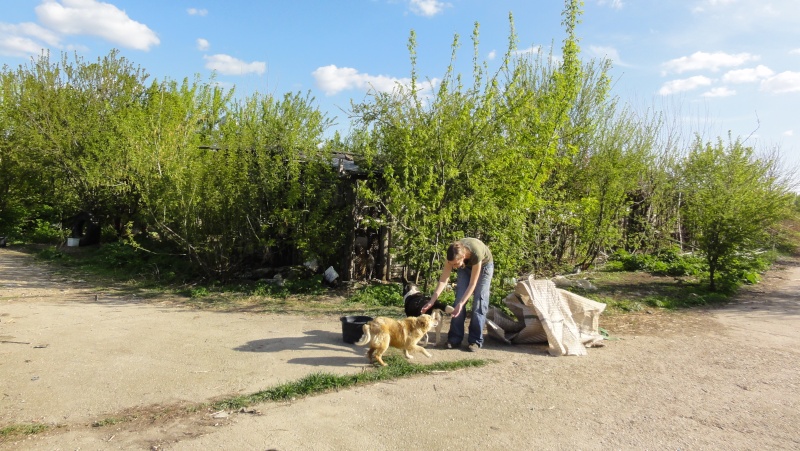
{"type": "Point", "coordinates": [73, 242]}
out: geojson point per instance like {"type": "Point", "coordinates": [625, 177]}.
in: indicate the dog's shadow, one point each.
{"type": "Point", "coordinates": [312, 340]}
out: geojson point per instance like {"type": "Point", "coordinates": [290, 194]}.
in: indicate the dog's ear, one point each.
{"type": "Point", "coordinates": [410, 287]}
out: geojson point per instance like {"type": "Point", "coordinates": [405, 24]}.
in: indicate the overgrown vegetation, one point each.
{"type": "Point", "coordinates": [536, 158]}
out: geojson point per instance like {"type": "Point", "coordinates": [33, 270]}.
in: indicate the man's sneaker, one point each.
{"type": "Point", "coordinates": [473, 347]}
{"type": "Point", "coordinates": [449, 345]}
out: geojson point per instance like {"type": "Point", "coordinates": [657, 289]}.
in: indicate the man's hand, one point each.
{"type": "Point", "coordinates": [457, 310]}
{"type": "Point", "coordinates": [426, 307]}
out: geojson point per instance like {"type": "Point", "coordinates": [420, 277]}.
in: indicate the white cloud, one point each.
{"type": "Point", "coordinates": [334, 80]}
{"type": "Point", "coordinates": [788, 133]}
{"type": "Point", "coordinates": [707, 61]}
{"type": "Point", "coordinates": [616, 4]}
{"type": "Point", "coordinates": [794, 52]}
{"type": "Point", "coordinates": [197, 12]}
{"type": "Point", "coordinates": [492, 55]}
{"type": "Point", "coordinates": [748, 75]}
{"type": "Point", "coordinates": [783, 82]}
{"type": "Point", "coordinates": [228, 65]}
{"type": "Point", "coordinates": [532, 50]}
{"type": "Point", "coordinates": [427, 8]}
{"type": "Point", "coordinates": [20, 46]}
{"type": "Point", "coordinates": [719, 92]}
{"type": "Point", "coordinates": [25, 39]}
{"type": "Point", "coordinates": [202, 44]}
{"type": "Point", "coordinates": [33, 30]}
{"type": "Point", "coordinates": [686, 84]}
{"type": "Point", "coordinates": [607, 53]}
{"type": "Point", "coordinates": [91, 17]}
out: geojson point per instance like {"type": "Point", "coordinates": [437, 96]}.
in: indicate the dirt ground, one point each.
{"type": "Point", "coordinates": [72, 355]}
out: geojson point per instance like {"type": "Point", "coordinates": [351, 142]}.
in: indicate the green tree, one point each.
{"type": "Point", "coordinates": [230, 181]}
{"type": "Point", "coordinates": [66, 118]}
{"type": "Point", "coordinates": [731, 199]}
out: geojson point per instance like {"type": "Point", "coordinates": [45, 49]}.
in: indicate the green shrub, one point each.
{"type": "Point", "coordinates": [50, 254]}
{"type": "Point", "coordinates": [198, 292]}
{"type": "Point", "coordinates": [389, 295]}
{"type": "Point", "coordinates": [118, 255]}
{"type": "Point", "coordinates": [744, 268]}
{"type": "Point", "coordinates": [666, 262]}
{"type": "Point", "coordinates": [12, 221]}
{"type": "Point", "coordinates": [43, 232]}
{"type": "Point", "coordinates": [108, 234]}
{"type": "Point", "coordinates": [614, 266]}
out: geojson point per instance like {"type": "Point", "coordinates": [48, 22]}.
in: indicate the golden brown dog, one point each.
{"type": "Point", "coordinates": [382, 332]}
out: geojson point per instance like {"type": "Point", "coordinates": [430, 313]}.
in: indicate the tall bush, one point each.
{"type": "Point", "coordinates": [732, 198]}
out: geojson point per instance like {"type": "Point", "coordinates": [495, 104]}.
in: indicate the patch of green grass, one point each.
{"type": "Point", "coordinates": [119, 261]}
{"type": "Point", "coordinates": [109, 422]}
{"type": "Point", "coordinates": [23, 429]}
{"type": "Point", "coordinates": [318, 383]}
{"type": "Point", "coordinates": [635, 294]}
{"type": "Point", "coordinates": [198, 292]}
{"type": "Point", "coordinates": [666, 262]}
{"type": "Point", "coordinates": [388, 295]}
{"type": "Point", "coordinates": [287, 287]}
{"type": "Point", "coordinates": [619, 305]}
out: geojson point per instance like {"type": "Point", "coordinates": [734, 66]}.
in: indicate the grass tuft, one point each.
{"type": "Point", "coordinates": [109, 422]}
{"type": "Point", "coordinates": [318, 383]}
{"type": "Point", "coordinates": [22, 429]}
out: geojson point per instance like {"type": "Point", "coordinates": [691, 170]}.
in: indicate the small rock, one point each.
{"type": "Point", "coordinates": [220, 414]}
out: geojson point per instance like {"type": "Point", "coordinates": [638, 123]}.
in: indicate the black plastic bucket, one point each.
{"type": "Point", "coordinates": [353, 327]}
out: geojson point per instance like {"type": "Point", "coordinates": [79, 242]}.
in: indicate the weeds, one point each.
{"type": "Point", "coordinates": [389, 295]}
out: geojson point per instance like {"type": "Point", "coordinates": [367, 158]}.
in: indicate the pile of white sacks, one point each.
{"type": "Point", "coordinates": [543, 313]}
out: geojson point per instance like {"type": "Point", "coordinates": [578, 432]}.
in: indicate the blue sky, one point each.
{"type": "Point", "coordinates": [712, 65]}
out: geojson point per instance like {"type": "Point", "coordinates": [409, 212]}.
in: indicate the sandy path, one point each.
{"type": "Point", "coordinates": [725, 379]}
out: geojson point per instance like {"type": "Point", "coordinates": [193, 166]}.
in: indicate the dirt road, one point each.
{"type": "Point", "coordinates": [72, 356]}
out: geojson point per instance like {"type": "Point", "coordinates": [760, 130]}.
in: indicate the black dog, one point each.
{"type": "Point", "coordinates": [413, 300]}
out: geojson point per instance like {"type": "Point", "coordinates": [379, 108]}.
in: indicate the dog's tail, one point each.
{"type": "Point", "coordinates": [366, 337]}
